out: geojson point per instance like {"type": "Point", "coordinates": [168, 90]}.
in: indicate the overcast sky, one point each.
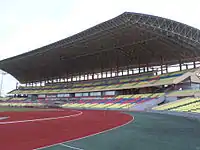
{"type": "Point", "coordinates": [28, 24]}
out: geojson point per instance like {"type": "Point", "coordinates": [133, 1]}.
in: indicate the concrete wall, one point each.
{"type": "Point", "coordinates": [170, 99]}
{"type": "Point", "coordinates": [148, 105]}
{"type": "Point", "coordinates": [183, 114]}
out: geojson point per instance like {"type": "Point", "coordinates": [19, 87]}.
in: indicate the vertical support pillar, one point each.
{"type": "Point", "coordinates": [117, 72]}
{"type": "Point", "coordinates": [161, 69]}
{"type": "Point", "coordinates": [67, 77]}
{"type": "Point", "coordinates": [117, 65]}
{"type": "Point", "coordinates": [144, 69]}
{"type": "Point", "coordinates": [180, 65]}
{"type": "Point", "coordinates": [139, 69]}
{"type": "Point", "coordinates": [79, 75]}
{"type": "Point", "coordinates": [101, 73]}
{"type": "Point", "coordinates": [139, 66]}
{"type": "Point", "coordinates": [93, 76]}
{"type": "Point", "coordinates": [71, 77]}
{"type": "Point", "coordinates": [166, 68]}
{"type": "Point", "coordinates": [101, 68]}
{"type": "Point", "coordinates": [147, 67]}
{"type": "Point", "coordinates": [161, 65]}
{"type": "Point", "coordinates": [194, 64]}
{"type": "Point", "coordinates": [127, 70]}
{"type": "Point", "coordinates": [186, 66]}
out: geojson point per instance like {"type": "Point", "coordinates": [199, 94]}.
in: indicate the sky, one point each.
{"type": "Point", "coordinates": [27, 25]}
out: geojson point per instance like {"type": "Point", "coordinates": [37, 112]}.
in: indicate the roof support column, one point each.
{"type": "Point", "coordinates": [161, 65]}
{"type": "Point", "coordinates": [186, 66]}
{"type": "Point", "coordinates": [139, 68]}
{"type": "Point", "coordinates": [153, 69]}
{"type": "Point", "coordinates": [84, 77]}
{"type": "Point", "coordinates": [127, 70]}
{"type": "Point", "coordinates": [161, 69]}
{"type": "Point", "coordinates": [79, 76]}
{"type": "Point", "coordinates": [71, 77]}
{"type": "Point", "coordinates": [147, 67]}
{"type": "Point", "coordinates": [194, 64]}
{"type": "Point", "coordinates": [117, 65]}
{"type": "Point", "coordinates": [101, 73]}
{"type": "Point", "coordinates": [132, 71]}
{"type": "Point", "coordinates": [166, 68]}
{"type": "Point", "coordinates": [144, 69]}
{"type": "Point", "coordinates": [111, 72]}
{"type": "Point", "coordinates": [180, 65]}
{"type": "Point", "coordinates": [101, 68]}
{"type": "Point", "coordinates": [67, 77]}
{"type": "Point", "coordinates": [117, 72]}
{"type": "Point", "coordinates": [93, 76]}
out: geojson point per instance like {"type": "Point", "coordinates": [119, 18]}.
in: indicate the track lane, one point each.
{"type": "Point", "coordinates": [32, 135]}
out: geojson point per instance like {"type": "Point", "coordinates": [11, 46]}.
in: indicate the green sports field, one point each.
{"type": "Point", "coordinates": [147, 132]}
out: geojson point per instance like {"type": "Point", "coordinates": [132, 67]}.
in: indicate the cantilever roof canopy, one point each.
{"type": "Point", "coordinates": [127, 40]}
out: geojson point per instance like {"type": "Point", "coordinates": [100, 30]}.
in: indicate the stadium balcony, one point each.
{"type": "Point", "coordinates": [21, 104]}
{"type": "Point", "coordinates": [18, 99]}
{"type": "Point", "coordinates": [2, 99]}
{"type": "Point", "coordinates": [109, 84]}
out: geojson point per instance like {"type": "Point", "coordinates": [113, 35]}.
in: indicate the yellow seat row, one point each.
{"type": "Point", "coordinates": [21, 104]}
{"type": "Point", "coordinates": [189, 107]}
{"type": "Point", "coordinates": [175, 103]}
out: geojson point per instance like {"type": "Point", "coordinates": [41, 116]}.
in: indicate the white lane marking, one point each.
{"type": "Point", "coordinates": [3, 118]}
{"type": "Point", "coordinates": [88, 135]}
{"type": "Point", "coordinates": [72, 147]}
{"type": "Point", "coordinates": [43, 119]}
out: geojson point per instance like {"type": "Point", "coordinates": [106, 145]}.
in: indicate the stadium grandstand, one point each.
{"type": "Point", "coordinates": [131, 62]}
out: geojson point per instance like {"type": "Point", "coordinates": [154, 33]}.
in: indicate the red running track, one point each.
{"type": "Point", "coordinates": [32, 135]}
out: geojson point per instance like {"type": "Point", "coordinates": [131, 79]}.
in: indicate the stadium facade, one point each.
{"type": "Point", "coordinates": [133, 58]}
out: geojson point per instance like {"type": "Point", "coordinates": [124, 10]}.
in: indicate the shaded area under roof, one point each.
{"type": "Point", "coordinates": [126, 40]}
